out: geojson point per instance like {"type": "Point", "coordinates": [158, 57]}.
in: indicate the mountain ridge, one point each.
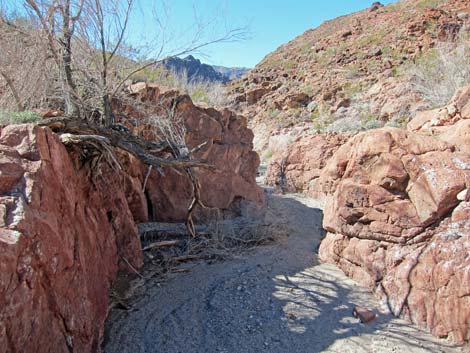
{"type": "Point", "coordinates": [199, 71]}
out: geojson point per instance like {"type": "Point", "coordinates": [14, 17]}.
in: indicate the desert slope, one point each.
{"type": "Point", "coordinates": [351, 72]}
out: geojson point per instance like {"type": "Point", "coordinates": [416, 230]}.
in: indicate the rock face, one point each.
{"type": "Point", "coordinates": [440, 120]}
{"type": "Point", "coordinates": [397, 222]}
{"type": "Point", "coordinates": [228, 145]}
{"type": "Point", "coordinates": [62, 241]}
{"type": "Point", "coordinates": [297, 168]}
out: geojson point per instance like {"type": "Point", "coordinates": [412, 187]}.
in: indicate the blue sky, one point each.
{"type": "Point", "coordinates": [271, 23]}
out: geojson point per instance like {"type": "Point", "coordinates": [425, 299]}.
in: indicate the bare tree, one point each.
{"type": "Point", "coordinates": [25, 70]}
{"type": "Point", "coordinates": [58, 20]}
{"type": "Point", "coordinates": [86, 40]}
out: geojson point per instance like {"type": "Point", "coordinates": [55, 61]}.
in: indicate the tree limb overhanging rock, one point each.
{"type": "Point", "coordinates": [139, 148]}
{"type": "Point", "coordinates": [76, 130]}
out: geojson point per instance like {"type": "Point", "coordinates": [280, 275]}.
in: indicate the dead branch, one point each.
{"type": "Point", "coordinates": [184, 258]}
{"type": "Point", "coordinates": [161, 244]}
{"type": "Point", "coordinates": [125, 141]}
{"type": "Point", "coordinates": [99, 143]}
{"type": "Point", "coordinates": [149, 171]}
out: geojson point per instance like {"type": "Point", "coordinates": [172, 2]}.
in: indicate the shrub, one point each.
{"type": "Point", "coordinates": [351, 124]}
{"type": "Point", "coordinates": [439, 73]}
{"type": "Point", "coordinates": [427, 3]}
{"type": "Point", "coordinates": [273, 113]}
{"type": "Point", "coordinates": [12, 118]}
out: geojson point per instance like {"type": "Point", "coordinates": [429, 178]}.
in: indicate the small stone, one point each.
{"type": "Point", "coordinates": [462, 196]}
{"type": "Point", "coordinates": [363, 314]}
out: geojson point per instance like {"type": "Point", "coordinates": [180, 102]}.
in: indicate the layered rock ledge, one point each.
{"type": "Point", "coordinates": [397, 226]}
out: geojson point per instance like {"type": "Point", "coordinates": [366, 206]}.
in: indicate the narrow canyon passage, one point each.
{"type": "Point", "coordinates": [274, 298]}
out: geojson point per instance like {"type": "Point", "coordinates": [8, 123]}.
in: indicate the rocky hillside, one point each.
{"type": "Point", "coordinates": [198, 71]}
{"type": "Point", "coordinates": [351, 72]}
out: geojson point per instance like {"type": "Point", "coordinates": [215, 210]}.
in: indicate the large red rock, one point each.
{"type": "Point", "coordinates": [228, 145]}
{"type": "Point", "coordinates": [63, 237]}
{"type": "Point", "coordinates": [398, 222]}
{"type": "Point", "coordinates": [297, 168]}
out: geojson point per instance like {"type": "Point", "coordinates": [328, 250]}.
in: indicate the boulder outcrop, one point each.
{"type": "Point", "coordinates": [397, 222]}
{"type": "Point", "coordinates": [227, 145]}
{"type": "Point", "coordinates": [297, 168]}
{"type": "Point", "coordinates": [63, 239]}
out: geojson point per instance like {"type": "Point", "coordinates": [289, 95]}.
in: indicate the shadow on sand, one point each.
{"type": "Point", "coordinates": [274, 299]}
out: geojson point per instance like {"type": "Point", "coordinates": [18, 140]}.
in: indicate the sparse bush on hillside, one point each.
{"type": "Point", "coordinates": [9, 118]}
{"type": "Point", "coordinates": [212, 93]}
{"type": "Point", "coordinates": [427, 3]}
{"type": "Point", "coordinates": [352, 124]}
{"type": "Point", "coordinates": [440, 72]}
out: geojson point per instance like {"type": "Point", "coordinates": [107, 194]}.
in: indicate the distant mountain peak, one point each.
{"type": "Point", "coordinates": [198, 71]}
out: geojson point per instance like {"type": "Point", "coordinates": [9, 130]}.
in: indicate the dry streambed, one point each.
{"type": "Point", "coordinates": [274, 298]}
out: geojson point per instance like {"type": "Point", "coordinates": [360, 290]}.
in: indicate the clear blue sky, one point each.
{"type": "Point", "coordinates": [271, 23]}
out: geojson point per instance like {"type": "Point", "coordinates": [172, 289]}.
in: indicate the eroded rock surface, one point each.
{"type": "Point", "coordinates": [298, 167]}
{"type": "Point", "coordinates": [397, 224]}
{"type": "Point", "coordinates": [228, 145]}
{"type": "Point", "coordinates": [63, 238]}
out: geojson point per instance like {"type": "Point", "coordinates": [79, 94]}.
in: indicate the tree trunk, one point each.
{"type": "Point", "coordinates": [13, 90]}
{"type": "Point", "coordinates": [72, 107]}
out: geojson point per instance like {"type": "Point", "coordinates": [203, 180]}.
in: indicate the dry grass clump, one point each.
{"type": "Point", "coordinates": [13, 118]}
{"type": "Point", "coordinates": [168, 244]}
{"type": "Point", "coordinates": [438, 74]}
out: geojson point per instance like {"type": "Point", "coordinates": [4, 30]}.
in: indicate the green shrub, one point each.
{"type": "Point", "coordinates": [273, 113]}
{"type": "Point", "coordinates": [372, 124]}
{"type": "Point", "coordinates": [427, 3]}
{"type": "Point", "coordinates": [14, 118]}
{"type": "Point", "coordinates": [346, 125]}
{"type": "Point", "coordinates": [289, 64]}
{"type": "Point", "coordinates": [351, 89]}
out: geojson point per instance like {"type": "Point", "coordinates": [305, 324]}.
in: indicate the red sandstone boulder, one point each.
{"type": "Point", "coordinates": [62, 239]}
{"type": "Point", "coordinates": [297, 168]}
{"type": "Point", "coordinates": [398, 222]}
{"type": "Point", "coordinates": [228, 145]}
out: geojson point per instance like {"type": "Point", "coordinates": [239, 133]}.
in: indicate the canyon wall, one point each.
{"type": "Point", "coordinates": [68, 226]}
{"type": "Point", "coordinates": [397, 212]}
{"type": "Point", "coordinates": [63, 238]}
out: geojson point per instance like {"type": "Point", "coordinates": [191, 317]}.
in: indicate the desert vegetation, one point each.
{"type": "Point", "coordinates": [438, 73]}
{"type": "Point", "coordinates": [74, 55]}
{"type": "Point", "coordinates": [126, 180]}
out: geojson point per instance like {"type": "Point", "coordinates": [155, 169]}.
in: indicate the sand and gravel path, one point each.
{"type": "Point", "coordinates": [274, 298]}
